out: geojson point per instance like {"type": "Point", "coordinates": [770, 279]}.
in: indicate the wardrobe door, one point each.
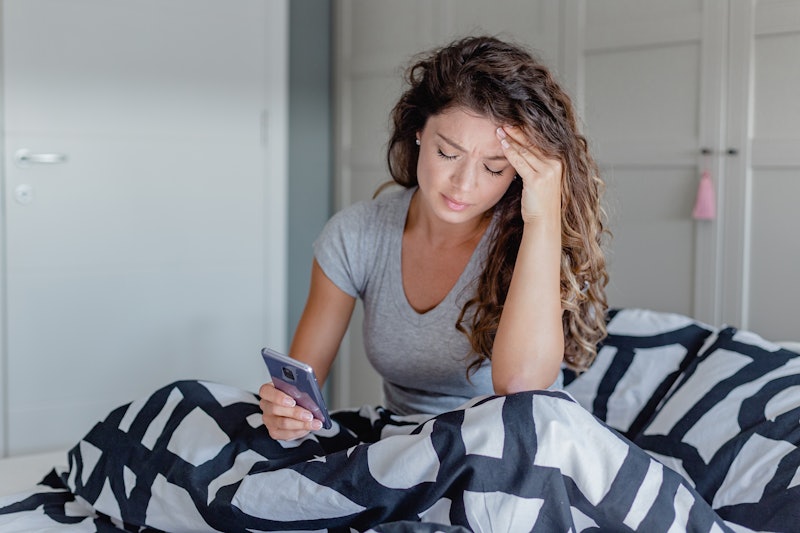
{"type": "Point", "coordinates": [645, 75]}
{"type": "Point", "coordinates": [762, 259]}
{"type": "Point", "coordinates": [534, 24]}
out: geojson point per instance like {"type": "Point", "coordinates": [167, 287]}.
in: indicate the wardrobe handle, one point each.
{"type": "Point", "coordinates": [25, 157]}
{"type": "Point", "coordinates": [709, 151]}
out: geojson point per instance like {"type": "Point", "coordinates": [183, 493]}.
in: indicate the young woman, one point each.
{"type": "Point", "coordinates": [485, 273]}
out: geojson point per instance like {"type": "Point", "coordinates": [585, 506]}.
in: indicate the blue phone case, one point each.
{"type": "Point", "coordinates": [298, 381]}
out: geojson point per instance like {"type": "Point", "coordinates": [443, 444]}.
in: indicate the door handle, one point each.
{"type": "Point", "coordinates": [26, 158]}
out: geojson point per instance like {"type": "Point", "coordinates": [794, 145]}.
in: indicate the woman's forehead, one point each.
{"type": "Point", "coordinates": [460, 122]}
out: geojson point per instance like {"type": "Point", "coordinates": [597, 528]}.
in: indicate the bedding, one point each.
{"type": "Point", "coordinates": [636, 364]}
{"type": "Point", "coordinates": [194, 457]}
{"type": "Point", "coordinates": [728, 421]}
{"type": "Point", "coordinates": [678, 426]}
{"type": "Point", "coordinates": [732, 427]}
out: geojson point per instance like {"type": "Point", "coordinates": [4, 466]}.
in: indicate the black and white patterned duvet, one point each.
{"type": "Point", "coordinates": [194, 457]}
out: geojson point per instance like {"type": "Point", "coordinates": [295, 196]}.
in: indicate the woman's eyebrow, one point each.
{"type": "Point", "coordinates": [499, 157]}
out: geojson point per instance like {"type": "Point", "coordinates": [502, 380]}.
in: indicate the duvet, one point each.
{"type": "Point", "coordinates": [193, 456]}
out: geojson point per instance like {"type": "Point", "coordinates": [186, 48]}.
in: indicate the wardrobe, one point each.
{"type": "Point", "coordinates": [669, 93]}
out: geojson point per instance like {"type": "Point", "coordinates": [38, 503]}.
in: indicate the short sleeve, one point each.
{"type": "Point", "coordinates": [338, 249]}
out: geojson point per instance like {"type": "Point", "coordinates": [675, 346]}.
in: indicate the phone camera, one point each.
{"type": "Point", "coordinates": [288, 374]}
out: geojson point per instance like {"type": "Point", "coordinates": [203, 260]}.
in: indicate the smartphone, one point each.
{"type": "Point", "coordinates": [298, 381]}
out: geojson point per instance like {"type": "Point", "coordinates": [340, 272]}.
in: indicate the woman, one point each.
{"type": "Point", "coordinates": [486, 272]}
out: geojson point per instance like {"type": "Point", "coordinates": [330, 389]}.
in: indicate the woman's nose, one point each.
{"type": "Point", "coordinates": [465, 177]}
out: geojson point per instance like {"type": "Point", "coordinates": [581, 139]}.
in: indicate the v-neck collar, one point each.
{"type": "Point", "coordinates": [467, 276]}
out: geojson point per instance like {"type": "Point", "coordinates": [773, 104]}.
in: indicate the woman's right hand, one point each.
{"type": "Point", "coordinates": [285, 420]}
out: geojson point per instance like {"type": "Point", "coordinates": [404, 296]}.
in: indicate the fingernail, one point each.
{"type": "Point", "coordinates": [316, 424]}
{"type": "Point", "coordinates": [308, 417]}
{"type": "Point", "coordinates": [501, 133]}
{"type": "Point", "coordinates": [504, 143]}
{"type": "Point", "coordinates": [289, 402]}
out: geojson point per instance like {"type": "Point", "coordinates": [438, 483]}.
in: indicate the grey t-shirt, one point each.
{"type": "Point", "coordinates": [421, 356]}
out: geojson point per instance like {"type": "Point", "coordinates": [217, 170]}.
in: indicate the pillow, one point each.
{"type": "Point", "coordinates": [790, 345]}
{"type": "Point", "coordinates": [636, 364]}
{"type": "Point", "coordinates": [732, 427]}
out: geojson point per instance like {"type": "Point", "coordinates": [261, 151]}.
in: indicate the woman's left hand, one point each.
{"type": "Point", "coordinates": [541, 176]}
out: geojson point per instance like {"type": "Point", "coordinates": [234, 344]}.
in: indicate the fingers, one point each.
{"type": "Point", "coordinates": [512, 135]}
{"type": "Point", "coordinates": [522, 154]}
{"type": "Point", "coordinates": [526, 159]}
{"type": "Point", "coordinates": [284, 419]}
{"type": "Point", "coordinates": [541, 175]}
{"type": "Point", "coordinates": [522, 159]}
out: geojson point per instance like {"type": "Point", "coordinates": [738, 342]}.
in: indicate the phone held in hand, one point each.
{"type": "Point", "coordinates": [297, 379]}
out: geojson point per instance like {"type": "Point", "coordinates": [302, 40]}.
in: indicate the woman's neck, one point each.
{"type": "Point", "coordinates": [426, 227]}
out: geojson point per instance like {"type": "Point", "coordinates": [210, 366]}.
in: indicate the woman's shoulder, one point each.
{"type": "Point", "coordinates": [395, 199]}
{"type": "Point", "coordinates": [353, 240]}
{"type": "Point", "coordinates": [385, 208]}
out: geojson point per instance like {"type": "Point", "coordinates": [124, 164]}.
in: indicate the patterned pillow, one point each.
{"type": "Point", "coordinates": [636, 364]}
{"type": "Point", "coordinates": [732, 427]}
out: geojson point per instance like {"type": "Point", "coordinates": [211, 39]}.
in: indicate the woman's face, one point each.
{"type": "Point", "coordinates": [461, 171]}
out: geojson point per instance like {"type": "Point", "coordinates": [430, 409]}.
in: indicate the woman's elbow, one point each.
{"type": "Point", "coordinates": [512, 381]}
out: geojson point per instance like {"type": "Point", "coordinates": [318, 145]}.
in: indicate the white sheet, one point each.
{"type": "Point", "coordinates": [790, 345]}
{"type": "Point", "coordinates": [23, 472]}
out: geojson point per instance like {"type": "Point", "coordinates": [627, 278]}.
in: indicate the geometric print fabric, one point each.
{"type": "Point", "coordinates": [533, 461]}
{"type": "Point", "coordinates": [732, 427]}
{"type": "Point", "coordinates": [642, 356]}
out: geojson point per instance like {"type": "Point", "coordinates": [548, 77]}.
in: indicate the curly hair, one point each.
{"type": "Point", "coordinates": [509, 85]}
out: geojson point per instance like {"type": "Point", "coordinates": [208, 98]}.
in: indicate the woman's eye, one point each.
{"type": "Point", "coordinates": [493, 172]}
{"type": "Point", "coordinates": [445, 156]}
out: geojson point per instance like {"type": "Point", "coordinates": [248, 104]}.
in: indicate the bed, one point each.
{"type": "Point", "coordinates": [20, 473]}
{"type": "Point", "coordinates": [677, 426]}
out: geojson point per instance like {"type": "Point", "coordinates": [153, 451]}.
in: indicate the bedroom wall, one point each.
{"type": "Point", "coordinates": [310, 167]}
{"type": "Point", "coordinates": [3, 332]}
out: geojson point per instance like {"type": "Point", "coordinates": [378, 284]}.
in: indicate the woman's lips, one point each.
{"type": "Point", "coordinates": [454, 205]}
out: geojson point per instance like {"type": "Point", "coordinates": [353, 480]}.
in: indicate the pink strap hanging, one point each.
{"type": "Point", "coordinates": [705, 207]}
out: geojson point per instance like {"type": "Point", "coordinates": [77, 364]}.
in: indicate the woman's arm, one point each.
{"type": "Point", "coordinates": [323, 323]}
{"type": "Point", "coordinates": [529, 344]}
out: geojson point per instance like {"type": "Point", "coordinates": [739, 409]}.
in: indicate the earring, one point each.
{"type": "Point", "coordinates": [417, 142]}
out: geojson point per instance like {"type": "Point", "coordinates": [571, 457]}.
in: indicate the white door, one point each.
{"type": "Point", "coordinates": [762, 137]}
{"type": "Point", "coordinates": [144, 203]}
{"type": "Point", "coordinates": [647, 77]}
